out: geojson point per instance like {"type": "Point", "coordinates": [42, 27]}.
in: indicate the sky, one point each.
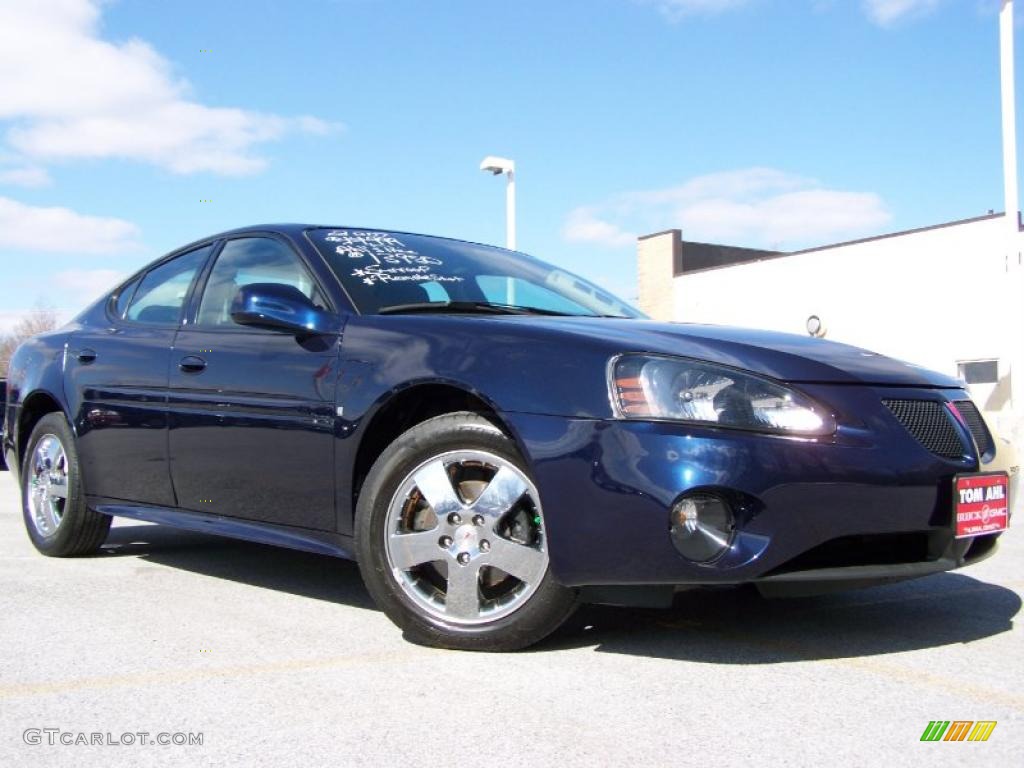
{"type": "Point", "coordinates": [131, 127]}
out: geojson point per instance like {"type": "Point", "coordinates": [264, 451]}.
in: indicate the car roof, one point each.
{"type": "Point", "coordinates": [296, 230]}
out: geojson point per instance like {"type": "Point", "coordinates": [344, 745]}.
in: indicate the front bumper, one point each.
{"type": "Point", "coordinates": [867, 505]}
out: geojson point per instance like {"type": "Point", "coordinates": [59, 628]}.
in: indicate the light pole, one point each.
{"type": "Point", "coordinates": [498, 166]}
{"type": "Point", "coordinates": [1015, 283]}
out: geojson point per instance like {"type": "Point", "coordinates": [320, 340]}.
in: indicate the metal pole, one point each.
{"type": "Point", "coordinates": [1006, 57]}
{"type": "Point", "coordinates": [498, 166]}
{"type": "Point", "coordinates": [510, 229]}
{"type": "Point", "coordinates": [510, 211]}
{"type": "Point", "coordinates": [1013, 322]}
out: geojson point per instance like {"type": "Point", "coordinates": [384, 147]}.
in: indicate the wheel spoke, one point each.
{"type": "Point", "coordinates": [504, 490]}
{"type": "Point", "coordinates": [50, 516]}
{"type": "Point", "coordinates": [462, 598]}
{"type": "Point", "coordinates": [436, 487]}
{"type": "Point", "coordinates": [56, 512]}
{"type": "Point", "coordinates": [59, 487]}
{"type": "Point", "coordinates": [411, 549]}
{"type": "Point", "coordinates": [37, 503]}
{"type": "Point", "coordinates": [39, 463]}
{"type": "Point", "coordinates": [50, 452]}
{"type": "Point", "coordinates": [525, 563]}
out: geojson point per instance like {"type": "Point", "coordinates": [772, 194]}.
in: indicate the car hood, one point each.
{"type": "Point", "coordinates": [784, 356]}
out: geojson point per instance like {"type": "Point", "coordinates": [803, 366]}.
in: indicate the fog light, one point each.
{"type": "Point", "coordinates": [702, 526]}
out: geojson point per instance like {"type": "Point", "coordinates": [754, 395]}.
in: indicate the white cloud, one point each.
{"type": "Point", "coordinates": [11, 317]}
{"type": "Point", "coordinates": [27, 176]}
{"type": "Point", "coordinates": [583, 226]}
{"type": "Point", "coordinates": [759, 207]}
{"type": "Point", "coordinates": [8, 319]}
{"type": "Point", "coordinates": [82, 286]}
{"type": "Point", "coordinates": [885, 13]}
{"type": "Point", "coordinates": [30, 228]}
{"type": "Point", "coordinates": [71, 94]}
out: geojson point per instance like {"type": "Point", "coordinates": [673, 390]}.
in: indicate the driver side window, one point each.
{"type": "Point", "coordinates": [249, 260]}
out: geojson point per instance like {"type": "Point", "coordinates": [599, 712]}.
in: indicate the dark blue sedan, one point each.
{"type": "Point", "coordinates": [492, 438]}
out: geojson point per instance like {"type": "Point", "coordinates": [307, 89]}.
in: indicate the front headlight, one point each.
{"type": "Point", "coordinates": [677, 389]}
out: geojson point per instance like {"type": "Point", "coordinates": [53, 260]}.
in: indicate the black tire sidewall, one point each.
{"type": "Point", "coordinates": [549, 605]}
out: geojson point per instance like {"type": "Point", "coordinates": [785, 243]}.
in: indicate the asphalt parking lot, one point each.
{"type": "Point", "coordinates": [279, 657]}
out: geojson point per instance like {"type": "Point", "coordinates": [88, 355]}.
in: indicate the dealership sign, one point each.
{"type": "Point", "coordinates": [981, 504]}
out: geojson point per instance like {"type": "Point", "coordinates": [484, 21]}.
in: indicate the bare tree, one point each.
{"type": "Point", "coordinates": [37, 321]}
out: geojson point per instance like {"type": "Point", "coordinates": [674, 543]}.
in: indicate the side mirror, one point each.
{"type": "Point", "coordinates": [281, 307]}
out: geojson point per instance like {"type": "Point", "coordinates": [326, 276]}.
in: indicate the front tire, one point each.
{"type": "Point", "coordinates": [53, 502]}
{"type": "Point", "coordinates": [451, 541]}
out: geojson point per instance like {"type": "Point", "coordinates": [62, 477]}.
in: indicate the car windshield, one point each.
{"type": "Point", "coordinates": [385, 272]}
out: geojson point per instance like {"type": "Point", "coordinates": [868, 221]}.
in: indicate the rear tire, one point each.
{"type": "Point", "coordinates": [53, 501]}
{"type": "Point", "coordinates": [446, 515]}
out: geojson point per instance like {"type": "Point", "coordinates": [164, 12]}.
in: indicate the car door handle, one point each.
{"type": "Point", "coordinates": [85, 356]}
{"type": "Point", "coordinates": [192, 364]}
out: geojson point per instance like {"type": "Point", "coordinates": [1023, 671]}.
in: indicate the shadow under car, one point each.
{"type": "Point", "coordinates": [720, 625]}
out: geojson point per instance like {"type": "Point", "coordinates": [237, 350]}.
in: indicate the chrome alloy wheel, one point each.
{"type": "Point", "coordinates": [465, 537]}
{"type": "Point", "coordinates": [48, 485]}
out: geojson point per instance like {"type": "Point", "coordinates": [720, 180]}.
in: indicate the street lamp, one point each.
{"type": "Point", "coordinates": [498, 166]}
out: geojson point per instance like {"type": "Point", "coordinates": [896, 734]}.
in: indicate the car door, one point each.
{"type": "Point", "coordinates": [116, 383]}
{"type": "Point", "coordinates": [252, 409]}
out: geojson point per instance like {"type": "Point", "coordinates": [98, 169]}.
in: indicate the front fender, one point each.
{"type": "Point", "coordinates": [517, 369]}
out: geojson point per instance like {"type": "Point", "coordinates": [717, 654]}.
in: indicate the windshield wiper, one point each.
{"type": "Point", "coordinates": [485, 307]}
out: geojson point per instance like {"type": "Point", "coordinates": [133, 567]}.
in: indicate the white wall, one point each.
{"type": "Point", "coordinates": [931, 298]}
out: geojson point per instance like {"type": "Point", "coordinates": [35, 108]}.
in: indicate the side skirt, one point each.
{"type": "Point", "coordinates": [320, 542]}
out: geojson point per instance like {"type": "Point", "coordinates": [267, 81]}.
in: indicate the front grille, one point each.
{"type": "Point", "coordinates": [976, 425]}
{"type": "Point", "coordinates": [930, 423]}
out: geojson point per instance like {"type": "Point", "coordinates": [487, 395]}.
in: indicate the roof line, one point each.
{"type": "Point", "coordinates": [764, 255]}
{"type": "Point", "coordinates": [914, 231]}
{"type": "Point", "coordinates": [659, 234]}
